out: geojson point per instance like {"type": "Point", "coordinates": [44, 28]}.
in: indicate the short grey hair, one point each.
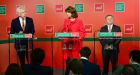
{"type": "Point", "coordinates": [20, 9]}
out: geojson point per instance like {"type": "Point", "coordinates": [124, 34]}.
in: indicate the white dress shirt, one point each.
{"type": "Point", "coordinates": [110, 25]}
{"type": "Point", "coordinates": [84, 58]}
{"type": "Point", "coordinates": [136, 63]}
{"type": "Point", "coordinates": [21, 21]}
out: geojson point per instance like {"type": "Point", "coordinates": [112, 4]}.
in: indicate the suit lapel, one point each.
{"type": "Point", "coordinates": [106, 28]}
{"type": "Point", "coordinates": [19, 24]}
{"type": "Point", "coordinates": [112, 28]}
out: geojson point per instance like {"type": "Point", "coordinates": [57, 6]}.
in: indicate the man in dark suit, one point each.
{"type": "Point", "coordinates": [35, 68]}
{"type": "Point", "coordinates": [25, 25]}
{"type": "Point", "coordinates": [133, 68]}
{"type": "Point", "coordinates": [110, 45]}
{"type": "Point", "coordinates": [89, 68]}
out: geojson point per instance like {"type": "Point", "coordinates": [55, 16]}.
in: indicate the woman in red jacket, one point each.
{"type": "Point", "coordinates": [73, 24]}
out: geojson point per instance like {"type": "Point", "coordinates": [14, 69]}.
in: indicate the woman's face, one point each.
{"type": "Point", "coordinates": [68, 14]}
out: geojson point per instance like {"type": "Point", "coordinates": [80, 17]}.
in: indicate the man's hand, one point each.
{"type": "Point", "coordinates": [109, 47]}
{"type": "Point", "coordinates": [20, 32]}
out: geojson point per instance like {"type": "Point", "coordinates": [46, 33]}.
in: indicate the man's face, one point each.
{"type": "Point", "coordinates": [22, 14]}
{"type": "Point", "coordinates": [130, 60]}
{"type": "Point", "coordinates": [110, 20]}
{"type": "Point", "coordinates": [68, 14]}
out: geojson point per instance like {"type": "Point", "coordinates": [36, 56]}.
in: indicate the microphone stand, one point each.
{"type": "Point", "coordinates": [32, 46]}
{"type": "Point", "coordinates": [94, 43]}
{"type": "Point", "coordinates": [9, 47]}
{"type": "Point", "coordinates": [52, 51]}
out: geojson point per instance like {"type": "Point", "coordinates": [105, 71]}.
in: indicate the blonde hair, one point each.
{"type": "Point", "coordinates": [20, 9]}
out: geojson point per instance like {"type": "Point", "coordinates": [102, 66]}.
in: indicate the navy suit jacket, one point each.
{"type": "Point", "coordinates": [31, 69]}
{"type": "Point", "coordinates": [90, 68]}
{"type": "Point", "coordinates": [16, 28]}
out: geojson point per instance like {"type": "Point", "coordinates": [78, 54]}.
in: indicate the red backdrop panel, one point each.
{"type": "Point", "coordinates": [56, 19]}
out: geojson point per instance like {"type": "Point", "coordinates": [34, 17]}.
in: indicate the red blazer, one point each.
{"type": "Point", "coordinates": [74, 26]}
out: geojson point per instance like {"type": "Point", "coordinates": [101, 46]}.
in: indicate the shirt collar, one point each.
{"type": "Point", "coordinates": [21, 17]}
{"type": "Point", "coordinates": [84, 58]}
{"type": "Point", "coordinates": [135, 63]}
{"type": "Point", "coordinates": [74, 20]}
{"type": "Point", "coordinates": [111, 25]}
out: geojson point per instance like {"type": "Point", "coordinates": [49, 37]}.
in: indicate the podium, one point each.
{"type": "Point", "coordinates": [20, 38]}
{"type": "Point", "coordinates": [106, 35]}
{"type": "Point", "coordinates": [65, 35]}
{"type": "Point", "coordinates": [110, 35]}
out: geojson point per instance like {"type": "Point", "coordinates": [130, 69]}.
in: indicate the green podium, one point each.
{"type": "Point", "coordinates": [109, 34]}
{"type": "Point", "coordinates": [67, 35]}
{"type": "Point", "coordinates": [21, 36]}
{"type": "Point", "coordinates": [19, 39]}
